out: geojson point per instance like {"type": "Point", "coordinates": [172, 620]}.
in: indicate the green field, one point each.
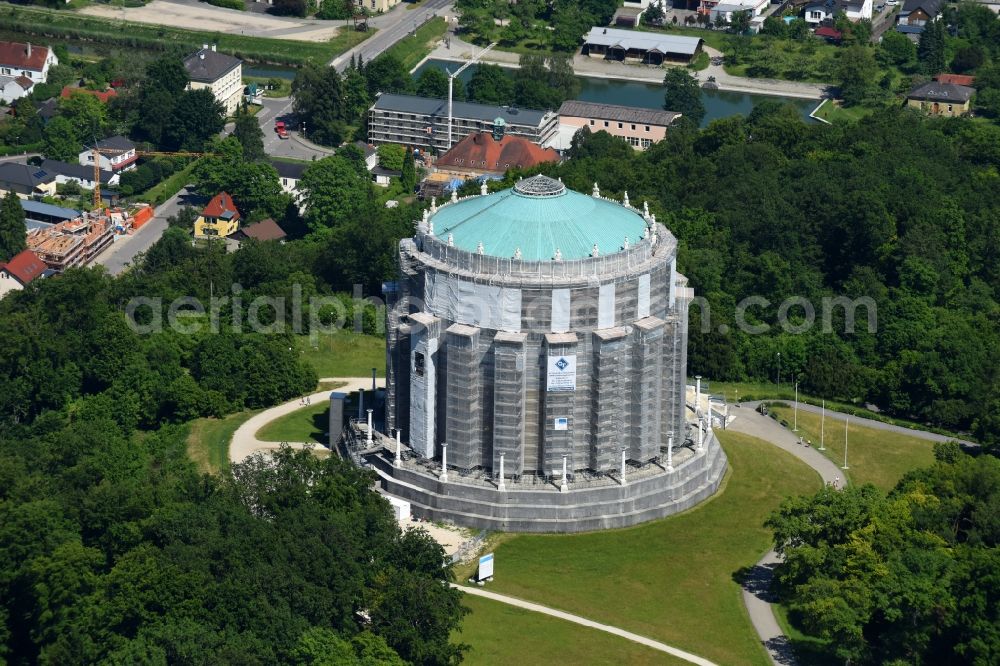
{"type": "Point", "coordinates": [835, 113]}
{"type": "Point", "coordinates": [59, 25]}
{"type": "Point", "coordinates": [308, 424]}
{"type": "Point", "coordinates": [502, 634]}
{"type": "Point", "coordinates": [874, 456]}
{"type": "Point", "coordinates": [415, 48]}
{"type": "Point", "coordinates": [345, 354]}
{"type": "Point", "coordinates": [208, 441]}
{"type": "Point", "coordinates": [672, 579]}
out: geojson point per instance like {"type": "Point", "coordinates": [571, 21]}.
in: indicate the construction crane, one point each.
{"type": "Point", "coordinates": [451, 81]}
{"type": "Point", "coordinates": [144, 153]}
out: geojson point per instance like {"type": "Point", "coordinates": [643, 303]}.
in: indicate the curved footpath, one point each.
{"type": "Point", "coordinates": [756, 587]}
{"type": "Point", "coordinates": [245, 442]}
{"type": "Point", "coordinates": [569, 617]}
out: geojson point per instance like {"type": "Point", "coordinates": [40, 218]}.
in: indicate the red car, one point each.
{"type": "Point", "coordinates": [279, 127]}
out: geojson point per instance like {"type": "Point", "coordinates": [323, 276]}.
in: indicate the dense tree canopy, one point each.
{"type": "Point", "coordinates": [912, 577]}
{"type": "Point", "coordinates": [12, 231]}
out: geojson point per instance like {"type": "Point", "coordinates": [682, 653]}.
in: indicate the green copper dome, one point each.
{"type": "Point", "coordinates": [537, 217]}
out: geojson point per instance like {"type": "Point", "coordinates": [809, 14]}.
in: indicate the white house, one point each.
{"type": "Point", "coordinates": [855, 10]}
{"type": "Point", "coordinates": [33, 62]}
{"type": "Point", "coordinates": [727, 9]}
{"type": "Point", "coordinates": [83, 175]}
{"type": "Point", "coordinates": [289, 175]}
{"type": "Point", "coordinates": [14, 87]}
{"type": "Point", "coordinates": [117, 154]}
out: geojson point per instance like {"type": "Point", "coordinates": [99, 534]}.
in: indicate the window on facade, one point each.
{"type": "Point", "coordinates": [949, 108]}
{"type": "Point", "coordinates": [419, 364]}
{"type": "Point", "coordinates": [646, 143]}
{"type": "Point", "coordinates": [633, 127]}
{"type": "Point", "coordinates": [591, 122]}
{"type": "Point", "coordinates": [605, 123]}
{"type": "Point", "coordinates": [619, 125]}
{"type": "Point", "coordinates": [647, 128]}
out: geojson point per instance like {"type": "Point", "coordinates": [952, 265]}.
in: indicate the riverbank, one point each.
{"type": "Point", "coordinates": [457, 50]}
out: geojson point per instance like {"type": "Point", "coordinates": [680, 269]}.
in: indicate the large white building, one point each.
{"type": "Point", "coordinates": [218, 72]}
{"type": "Point", "coordinates": [854, 10]}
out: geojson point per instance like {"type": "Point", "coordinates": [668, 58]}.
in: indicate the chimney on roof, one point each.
{"type": "Point", "coordinates": [204, 46]}
{"type": "Point", "coordinates": [29, 49]}
{"type": "Point", "coordinates": [213, 47]}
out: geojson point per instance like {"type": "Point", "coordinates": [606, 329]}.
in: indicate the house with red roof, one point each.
{"type": "Point", "coordinates": [486, 153]}
{"type": "Point", "coordinates": [957, 79]}
{"type": "Point", "coordinates": [20, 271]}
{"type": "Point", "coordinates": [27, 60]}
{"type": "Point", "coordinates": [219, 219]}
{"type": "Point", "coordinates": [831, 35]}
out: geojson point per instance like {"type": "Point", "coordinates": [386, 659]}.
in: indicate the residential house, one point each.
{"type": "Point", "coordinates": [817, 13]}
{"type": "Point", "coordinates": [20, 59]}
{"type": "Point", "coordinates": [14, 87]}
{"type": "Point", "coordinates": [640, 127]}
{"type": "Point", "coordinates": [289, 175]}
{"type": "Point", "coordinates": [918, 13]}
{"type": "Point", "coordinates": [218, 72]}
{"type": "Point", "coordinates": [25, 181]}
{"type": "Point", "coordinates": [727, 9]}
{"type": "Point", "coordinates": [371, 155]}
{"type": "Point", "coordinates": [383, 177]}
{"type": "Point", "coordinates": [941, 99]}
{"type": "Point", "coordinates": [82, 175]}
{"type": "Point", "coordinates": [492, 154]}
{"type": "Point", "coordinates": [376, 6]}
{"type": "Point", "coordinates": [831, 35]}
{"type": "Point", "coordinates": [17, 273]}
{"type": "Point", "coordinates": [219, 219]}
{"type": "Point", "coordinates": [117, 154]}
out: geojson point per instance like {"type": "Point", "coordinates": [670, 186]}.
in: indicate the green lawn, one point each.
{"type": "Point", "coordinates": [671, 579]}
{"type": "Point", "coordinates": [168, 187]}
{"type": "Point", "coordinates": [345, 354]}
{"type": "Point", "coordinates": [874, 456]}
{"type": "Point", "coordinates": [415, 48]}
{"type": "Point", "coordinates": [502, 634]}
{"type": "Point", "coordinates": [60, 25]}
{"type": "Point", "coordinates": [208, 441]}
{"type": "Point", "coordinates": [771, 58]}
{"type": "Point", "coordinates": [309, 424]}
{"type": "Point", "coordinates": [835, 113]}
{"type": "Point", "coordinates": [283, 90]}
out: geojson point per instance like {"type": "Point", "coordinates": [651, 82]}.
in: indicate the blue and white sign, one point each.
{"type": "Point", "coordinates": [561, 423]}
{"type": "Point", "coordinates": [561, 373]}
{"type": "Point", "coordinates": [485, 567]}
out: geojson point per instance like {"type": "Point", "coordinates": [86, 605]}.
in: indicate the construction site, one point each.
{"type": "Point", "coordinates": [78, 241]}
{"type": "Point", "coordinates": [536, 364]}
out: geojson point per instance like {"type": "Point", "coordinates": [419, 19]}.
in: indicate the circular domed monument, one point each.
{"type": "Point", "coordinates": [537, 358]}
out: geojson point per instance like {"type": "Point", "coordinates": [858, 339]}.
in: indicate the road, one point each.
{"type": "Point", "coordinates": [393, 27]}
{"type": "Point", "coordinates": [123, 251]}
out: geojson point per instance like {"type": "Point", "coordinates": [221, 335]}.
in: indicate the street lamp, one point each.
{"type": "Point", "coordinates": [795, 411]}
{"type": "Point", "coordinates": [779, 368]}
{"type": "Point", "coordinates": [847, 420]}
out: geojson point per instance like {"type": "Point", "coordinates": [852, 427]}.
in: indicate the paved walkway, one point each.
{"type": "Point", "coordinates": [869, 423]}
{"type": "Point", "coordinates": [245, 443]}
{"type": "Point", "coordinates": [627, 635]}
{"type": "Point", "coordinates": [461, 51]}
{"type": "Point", "coordinates": [756, 587]}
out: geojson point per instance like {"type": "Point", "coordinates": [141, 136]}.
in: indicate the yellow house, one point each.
{"type": "Point", "coordinates": [219, 219]}
{"type": "Point", "coordinates": [941, 99]}
{"type": "Point", "coordinates": [376, 6]}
